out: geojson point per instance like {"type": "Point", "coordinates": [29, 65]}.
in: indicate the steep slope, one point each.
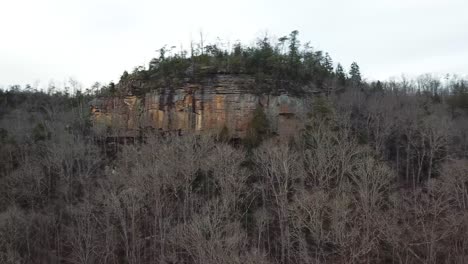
{"type": "Point", "coordinates": [215, 102]}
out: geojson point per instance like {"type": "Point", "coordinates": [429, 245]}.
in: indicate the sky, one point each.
{"type": "Point", "coordinates": [44, 41]}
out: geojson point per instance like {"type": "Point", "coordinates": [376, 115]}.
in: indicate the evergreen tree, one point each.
{"type": "Point", "coordinates": [340, 75]}
{"type": "Point", "coordinates": [262, 55]}
{"type": "Point", "coordinates": [281, 43]}
{"type": "Point", "coordinates": [112, 88]}
{"type": "Point", "coordinates": [124, 76]}
{"type": "Point", "coordinates": [294, 58]}
{"type": "Point", "coordinates": [377, 86]}
{"type": "Point", "coordinates": [355, 74]}
{"type": "Point", "coordinates": [293, 44]}
{"type": "Point", "coordinates": [328, 63]}
{"type": "Point", "coordinates": [277, 65]}
{"type": "Point", "coordinates": [258, 128]}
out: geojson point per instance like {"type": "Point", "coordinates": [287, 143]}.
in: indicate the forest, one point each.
{"type": "Point", "coordinates": [379, 174]}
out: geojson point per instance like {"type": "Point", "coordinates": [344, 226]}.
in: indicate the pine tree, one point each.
{"type": "Point", "coordinates": [355, 74]}
{"type": "Point", "coordinates": [112, 88]}
{"type": "Point", "coordinates": [294, 59]}
{"type": "Point", "coordinates": [328, 63]}
{"type": "Point", "coordinates": [293, 44]}
{"type": "Point", "coordinates": [377, 86]}
{"type": "Point", "coordinates": [124, 76]}
{"type": "Point", "coordinates": [340, 75]}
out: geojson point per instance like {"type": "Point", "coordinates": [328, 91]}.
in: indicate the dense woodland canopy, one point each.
{"type": "Point", "coordinates": [379, 174]}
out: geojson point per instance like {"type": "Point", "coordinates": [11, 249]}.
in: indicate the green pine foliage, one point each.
{"type": "Point", "coordinates": [283, 62]}
{"type": "Point", "coordinates": [340, 75]}
{"type": "Point", "coordinates": [355, 74]}
{"type": "Point", "coordinates": [258, 129]}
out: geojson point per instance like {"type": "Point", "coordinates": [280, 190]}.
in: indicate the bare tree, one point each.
{"type": "Point", "coordinates": [279, 167]}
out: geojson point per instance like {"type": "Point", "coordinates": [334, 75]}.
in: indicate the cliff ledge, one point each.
{"type": "Point", "coordinates": [206, 106]}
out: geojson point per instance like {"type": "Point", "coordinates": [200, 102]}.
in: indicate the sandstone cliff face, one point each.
{"type": "Point", "coordinates": [208, 106]}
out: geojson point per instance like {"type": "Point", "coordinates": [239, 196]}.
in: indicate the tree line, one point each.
{"type": "Point", "coordinates": [282, 64]}
{"type": "Point", "coordinates": [379, 174]}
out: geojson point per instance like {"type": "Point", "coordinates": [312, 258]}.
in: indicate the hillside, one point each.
{"type": "Point", "coordinates": [214, 89]}
{"type": "Point", "coordinates": [326, 167]}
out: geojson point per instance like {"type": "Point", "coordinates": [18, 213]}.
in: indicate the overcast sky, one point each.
{"type": "Point", "coordinates": [96, 40]}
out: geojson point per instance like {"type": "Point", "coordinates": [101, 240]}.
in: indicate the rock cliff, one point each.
{"type": "Point", "coordinates": [209, 105]}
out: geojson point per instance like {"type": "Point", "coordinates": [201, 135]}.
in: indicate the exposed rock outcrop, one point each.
{"type": "Point", "coordinates": [206, 106]}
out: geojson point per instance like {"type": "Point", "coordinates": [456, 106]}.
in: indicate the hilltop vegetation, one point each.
{"type": "Point", "coordinates": [283, 64]}
{"type": "Point", "coordinates": [378, 175]}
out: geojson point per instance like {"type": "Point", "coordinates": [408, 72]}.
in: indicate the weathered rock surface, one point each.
{"type": "Point", "coordinates": [207, 106]}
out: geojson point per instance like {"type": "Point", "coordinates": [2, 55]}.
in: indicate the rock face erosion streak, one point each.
{"type": "Point", "coordinates": [209, 106]}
